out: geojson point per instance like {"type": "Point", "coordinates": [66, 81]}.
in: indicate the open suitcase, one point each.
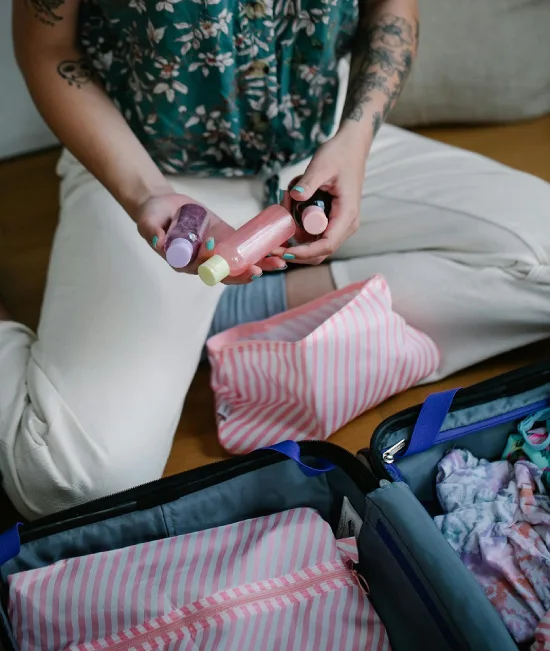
{"type": "Point", "coordinates": [384, 497]}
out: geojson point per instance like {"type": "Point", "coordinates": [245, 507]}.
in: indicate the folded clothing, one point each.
{"type": "Point", "coordinates": [497, 518]}
{"type": "Point", "coordinates": [532, 443]}
{"type": "Point", "coordinates": [542, 635]}
{"type": "Point", "coordinates": [278, 582]}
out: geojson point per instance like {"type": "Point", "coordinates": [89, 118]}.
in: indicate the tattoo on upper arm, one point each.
{"type": "Point", "coordinates": [381, 60]}
{"type": "Point", "coordinates": [78, 72]}
{"type": "Point", "coordinates": [45, 10]}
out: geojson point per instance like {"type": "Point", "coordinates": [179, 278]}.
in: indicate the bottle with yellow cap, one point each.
{"type": "Point", "coordinates": [250, 243]}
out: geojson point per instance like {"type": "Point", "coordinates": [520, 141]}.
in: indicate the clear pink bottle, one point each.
{"type": "Point", "coordinates": [250, 243]}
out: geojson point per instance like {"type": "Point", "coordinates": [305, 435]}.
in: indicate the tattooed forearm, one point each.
{"type": "Point", "coordinates": [78, 72]}
{"type": "Point", "coordinates": [45, 10]}
{"type": "Point", "coordinates": [381, 61]}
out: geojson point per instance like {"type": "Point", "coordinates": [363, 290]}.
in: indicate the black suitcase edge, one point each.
{"type": "Point", "coordinates": [506, 384]}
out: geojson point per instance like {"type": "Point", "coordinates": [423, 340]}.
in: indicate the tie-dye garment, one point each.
{"type": "Point", "coordinates": [532, 443]}
{"type": "Point", "coordinates": [542, 635]}
{"type": "Point", "coordinates": [497, 518]}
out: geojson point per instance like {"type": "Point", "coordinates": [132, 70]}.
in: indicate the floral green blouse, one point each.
{"type": "Point", "coordinates": [222, 87]}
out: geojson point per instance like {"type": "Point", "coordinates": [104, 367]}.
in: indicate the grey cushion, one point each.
{"type": "Point", "coordinates": [479, 61]}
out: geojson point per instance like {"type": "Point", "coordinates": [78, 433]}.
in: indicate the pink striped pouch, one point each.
{"type": "Point", "coordinates": [280, 582]}
{"type": "Point", "coordinates": [307, 372]}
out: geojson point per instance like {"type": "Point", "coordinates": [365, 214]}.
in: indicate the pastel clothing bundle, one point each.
{"type": "Point", "coordinates": [542, 635]}
{"type": "Point", "coordinates": [280, 582]}
{"type": "Point", "coordinates": [532, 443]}
{"type": "Point", "coordinates": [497, 518]}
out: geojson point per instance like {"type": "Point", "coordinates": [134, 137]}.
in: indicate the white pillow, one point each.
{"type": "Point", "coordinates": [479, 61]}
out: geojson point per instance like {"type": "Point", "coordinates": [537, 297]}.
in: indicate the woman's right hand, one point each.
{"type": "Point", "coordinates": [154, 216]}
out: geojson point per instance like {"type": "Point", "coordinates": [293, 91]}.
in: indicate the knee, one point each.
{"type": "Point", "coordinates": [50, 461]}
{"type": "Point", "coordinates": [501, 220]}
{"type": "Point", "coordinates": [54, 467]}
{"type": "Point", "coordinates": [121, 467]}
{"type": "Point", "coordinates": [525, 211]}
{"type": "Point", "coordinates": [112, 474]}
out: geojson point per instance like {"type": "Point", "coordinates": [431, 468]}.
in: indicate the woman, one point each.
{"type": "Point", "coordinates": [224, 101]}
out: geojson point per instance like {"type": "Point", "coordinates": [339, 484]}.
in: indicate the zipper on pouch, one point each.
{"type": "Point", "coordinates": [388, 456]}
{"type": "Point", "coordinates": [148, 639]}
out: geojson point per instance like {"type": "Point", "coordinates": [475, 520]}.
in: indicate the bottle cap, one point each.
{"type": "Point", "coordinates": [314, 220]}
{"type": "Point", "coordinates": [214, 270]}
{"type": "Point", "coordinates": [179, 253]}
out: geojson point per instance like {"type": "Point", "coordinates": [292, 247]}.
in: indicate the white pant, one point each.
{"type": "Point", "coordinates": [89, 406]}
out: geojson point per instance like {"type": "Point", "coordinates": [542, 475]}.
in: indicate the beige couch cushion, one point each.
{"type": "Point", "coordinates": [479, 61]}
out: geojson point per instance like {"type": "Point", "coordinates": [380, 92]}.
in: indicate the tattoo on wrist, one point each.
{"type": "Point", "coordinates": [77, 73]}
{"type": "Point", "coordinates": [45, 10]}
{"type": "Point", "coordinates": [381, 61]}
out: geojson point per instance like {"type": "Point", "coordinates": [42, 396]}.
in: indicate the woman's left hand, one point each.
{"type": "Point", "coordinates": [338, 167]}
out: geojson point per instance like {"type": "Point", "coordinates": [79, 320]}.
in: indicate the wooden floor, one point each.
{"type": "Point", "coordinates": [28, 213]}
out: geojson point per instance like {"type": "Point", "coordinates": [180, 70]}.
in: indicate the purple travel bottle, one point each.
{"type": "Point", "coordinates": [185, 235]}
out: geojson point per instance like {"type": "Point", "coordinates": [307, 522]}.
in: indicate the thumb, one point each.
{"type": "Point", "coordinates": [306, 186]}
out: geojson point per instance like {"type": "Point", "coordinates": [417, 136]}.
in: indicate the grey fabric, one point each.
{"type": "Point", "coordinates": [418, 585]}
{"type": "Point", "coordinates": [477, 413]}
{"type": "Point", "coordinates": [129, 529]}
{"type": "Point", "coordinates": [5, 627]}
{"type": "Point", "coordinates": [419, 470]}
{"type": "Point", "coordinates": [260, 299]}
{"type": "Point", "coordinates": [495, 408]}
{"type": "Point", "coordinates": [268, 490]}
{"type": "Point", "coordinates": [478, 62]}
{"type": "Point", "coordinates": [341, 485]}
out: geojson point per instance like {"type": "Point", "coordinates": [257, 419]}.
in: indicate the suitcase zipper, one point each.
{"type": "Point", "coordinates": [164, 490]}
{"type": "Point", "coordinates": [388, 456]}
{"type": "Point", "coordinates": [148, 639]}
{"type": "Point", "coordinates": [505, 385]}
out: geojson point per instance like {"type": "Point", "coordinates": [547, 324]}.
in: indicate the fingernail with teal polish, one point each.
{"type": "Point", "coordinates": [210, 243]}
{"type": "Point", "coordinates": [155, 241]}
{"type": "Point", "coordinates": [269, 255]}
{"type": "Point", "coordinates": [289, 256]}
{"type": "Point", "coordinates": [298, 188]}
{"type": "Point", "coordinates": [255, 277]}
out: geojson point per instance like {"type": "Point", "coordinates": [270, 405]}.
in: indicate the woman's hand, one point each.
{"type": "Point", "coordinates": [338, 167]}
{"type": "Point", "coordinates": [155, 215]}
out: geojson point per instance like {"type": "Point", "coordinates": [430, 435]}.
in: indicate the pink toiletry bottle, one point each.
{"type": "Point", "coordinates": [248, 244]}
{"type": "Point", "coordinates": [185, 235]}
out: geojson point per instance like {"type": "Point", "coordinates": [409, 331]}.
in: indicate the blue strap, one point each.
{"type": "Point", "coordinates": [291, 449]}
{"type": "Point", "coordinates": [9, 544]}
{"type": "Point", "coordinates": [430, 421]}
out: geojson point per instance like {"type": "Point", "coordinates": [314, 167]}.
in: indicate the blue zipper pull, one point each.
{"type": "Point", "coordinates": [10, 544]}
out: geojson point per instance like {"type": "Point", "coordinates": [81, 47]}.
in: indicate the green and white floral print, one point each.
{"type": "Point", "coordinates": [221, 87]}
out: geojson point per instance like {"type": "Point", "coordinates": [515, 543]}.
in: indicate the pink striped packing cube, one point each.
{"type": "Point", "coordinates": [280, 583]}
{"type": "Point", "coordinates": [307, 372]}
